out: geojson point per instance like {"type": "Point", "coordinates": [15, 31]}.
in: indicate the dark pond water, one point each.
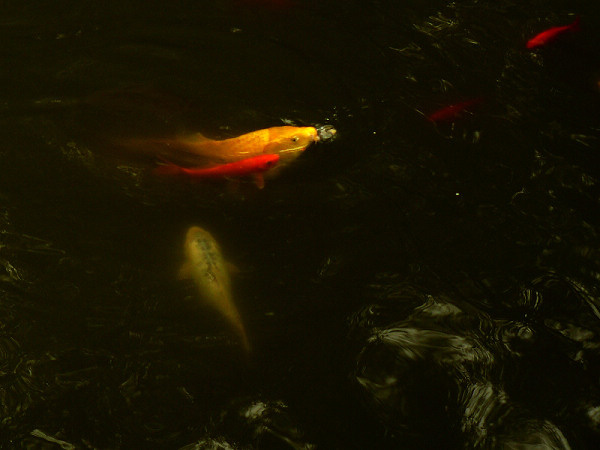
{"type": "Point", "coordinates": [406, 285]}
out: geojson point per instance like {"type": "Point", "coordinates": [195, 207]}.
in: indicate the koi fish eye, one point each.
{"type": "Point", "coordinates": [295, 139]}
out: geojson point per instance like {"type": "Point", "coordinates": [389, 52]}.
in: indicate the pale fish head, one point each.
{"type": "Point", "coordinates": [195, 232]}
{"type": "Point", "coordinates": [193, 237]}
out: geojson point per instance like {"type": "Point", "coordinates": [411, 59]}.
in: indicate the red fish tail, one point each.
{"type": "Point", "coordinates": [575, 26]}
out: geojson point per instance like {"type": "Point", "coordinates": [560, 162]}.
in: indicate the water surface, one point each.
{"type": "Point", "coordinates": [406, 285]}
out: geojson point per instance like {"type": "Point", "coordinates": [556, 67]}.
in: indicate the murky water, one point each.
{"type": "Point", "coordinates": [404, 285]}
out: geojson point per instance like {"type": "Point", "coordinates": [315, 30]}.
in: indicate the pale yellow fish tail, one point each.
{"type": "Point", "coordinates": [235, 321]}
{"type": "Point", "coordinates": [241, 332]}
{"type": "Point", "coordinates": [245, 343]}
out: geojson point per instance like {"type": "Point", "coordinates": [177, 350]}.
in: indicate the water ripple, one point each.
{"type": "Point", "coordinates": [437, 369]}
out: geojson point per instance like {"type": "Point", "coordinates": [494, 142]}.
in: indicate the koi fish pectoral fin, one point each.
{"type": "Point", "coordinates": [232, 269]}
{"type": "Point", "coordinates": [259, 180]}
{"type": "Point", "coordinates": [185, 271]}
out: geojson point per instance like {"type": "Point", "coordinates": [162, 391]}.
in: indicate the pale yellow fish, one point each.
{"type": "Point", "coordinates": [205, 266]}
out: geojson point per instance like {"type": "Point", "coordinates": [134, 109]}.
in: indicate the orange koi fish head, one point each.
{"type": "Point", "coordinates": [289, 142]}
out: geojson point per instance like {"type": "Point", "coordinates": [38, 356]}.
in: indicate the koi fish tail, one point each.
{"type": "Point", "coordinates": [245, 342]}
{"type": "Point", "coordinates": [240, 330]}
{"type": "Point", "coordinates": [575, 26]}
{"type": "Point", "coordinates": [243, 337]}
{"type": "Point", "coordinates": [167, 169]}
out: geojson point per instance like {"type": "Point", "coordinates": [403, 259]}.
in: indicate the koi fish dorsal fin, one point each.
{"type": "Point", "coordinates": [185, 271]}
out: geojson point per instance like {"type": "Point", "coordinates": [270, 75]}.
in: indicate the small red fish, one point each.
{"type": "Point", "coordinates": [551, 34]}
{"type": "Point", "coordinates": [249, 166]}
{"type": "Point", "coordinates": [451, 112]}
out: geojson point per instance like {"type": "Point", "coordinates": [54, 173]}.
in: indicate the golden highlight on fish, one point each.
{"type": "Point", "coordinates": [205, 266]}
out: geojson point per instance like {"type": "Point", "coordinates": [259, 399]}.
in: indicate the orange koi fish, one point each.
{"type": "Point", "coordinates": [288, 142]}
{"type": "Point", "coordinates": [548, 36]}
{"type": "Point", "coordinates": [205, 266]}
{"type": "Point", "coordinates": [451, 112]}
{"type": "Point", "coordinates": [255, 166]}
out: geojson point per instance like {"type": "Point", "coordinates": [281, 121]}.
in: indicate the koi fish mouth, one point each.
{"type": "Point", "coordinates": [325, 133]}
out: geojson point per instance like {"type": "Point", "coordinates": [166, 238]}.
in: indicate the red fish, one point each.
{"type": "Point", "coordinates": [450, 112]}
{"type": "Point", "coordinates": [545, 37]}
{"type": "Point", "coordinates": [250, 166]}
